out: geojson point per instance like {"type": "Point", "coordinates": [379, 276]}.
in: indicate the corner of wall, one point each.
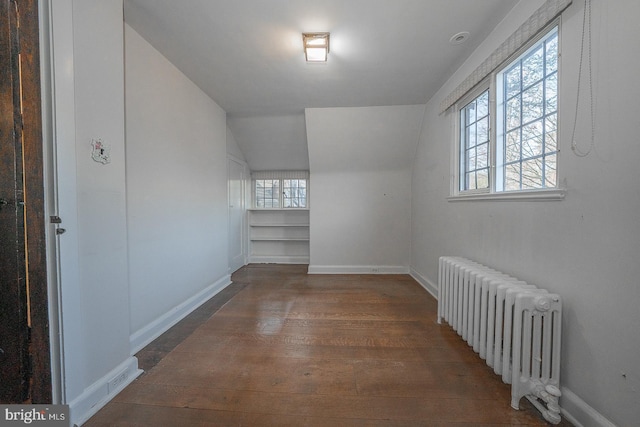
{"type": "Point", "coordinates": [102, 391]}
{"type": "Point", "coordinates": [153, 330]}
{"type": "Point", "coordinates": [427, 284]}
{"type": "Point", "coordinates": [579, 413]}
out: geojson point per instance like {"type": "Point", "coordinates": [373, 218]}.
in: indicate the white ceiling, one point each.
{"type": "Point", "coordinates": [247, 54]}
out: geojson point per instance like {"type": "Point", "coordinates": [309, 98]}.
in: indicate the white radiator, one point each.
{"type": "Point", "coordinates": [514, 326]}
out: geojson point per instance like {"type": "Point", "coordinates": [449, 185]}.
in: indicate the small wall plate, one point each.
{"type": "Point", "coordinates": [101, 152]}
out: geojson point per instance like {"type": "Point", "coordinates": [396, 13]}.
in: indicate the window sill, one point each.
{"type": "Point", "coordinates": [555, 194]}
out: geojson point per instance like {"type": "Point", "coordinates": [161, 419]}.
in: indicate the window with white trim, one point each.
{"type": "Point", "coordinates": [267, 193]}
{"type": "Point", "coordinates": [281, 189]}
{"type": "Point", "coordinates": [474, 143]}
{"type": "Point", "coordinates": [508, 125]}
{"type": "Point", "coordinates": [294, 193]}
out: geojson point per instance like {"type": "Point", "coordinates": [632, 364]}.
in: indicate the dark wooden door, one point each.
{"type": "Point", "coordinates": [14, 327]}
{"type": "Point", "coordinates": [25, 374]}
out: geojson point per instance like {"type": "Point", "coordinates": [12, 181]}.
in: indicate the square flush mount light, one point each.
{"type": "Point", "coordinates": [316, 46]}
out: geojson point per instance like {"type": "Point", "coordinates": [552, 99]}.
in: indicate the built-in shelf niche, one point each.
{"type": "Point", "coordinates": [279, 236]}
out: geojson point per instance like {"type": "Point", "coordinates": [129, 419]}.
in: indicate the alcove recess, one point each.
{"type": "Point", "coordinates": [279, 236]}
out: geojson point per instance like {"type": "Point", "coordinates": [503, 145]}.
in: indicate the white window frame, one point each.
{"type": "Point", "coordinates": [458, 156]}
{"type": "Point", "coordinates": [490, 83]}
{"type": "Point", "coordinates": [280, 193]}
{"type": "Point", "coordinates": [306, 193]}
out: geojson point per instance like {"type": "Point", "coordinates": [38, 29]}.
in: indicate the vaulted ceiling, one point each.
{"type": "Point", "coordinates": [247, 54]}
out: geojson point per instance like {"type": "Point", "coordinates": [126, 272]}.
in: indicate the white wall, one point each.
{"type": "Point", "coordinates": [585, 247]}
{"type": "Point", "coordinates": [176, 190]}
{"type": "Point", "coordinates": [101, 188]}
{"type": "Point", "coordinates": [360, 195]}
{"type": "Point", "coordinates": [94, 289]}
{"type": "Point", "coordinates": [150, 240]}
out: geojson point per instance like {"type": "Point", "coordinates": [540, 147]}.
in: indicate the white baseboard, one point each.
{"type": "Point", "coordinates": [429, 286]}
{"type": "Point", "coordinates": [139, 339]}
{"type": "Point", "coordinates": [579, 413]}
{"type": "Point", "coordinates": [358, 269]}
{"type": "Point", "coordinates": [102, 391]}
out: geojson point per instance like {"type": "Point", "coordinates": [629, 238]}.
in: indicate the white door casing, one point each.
{"type": "Point", "coordinates": [237, 210]}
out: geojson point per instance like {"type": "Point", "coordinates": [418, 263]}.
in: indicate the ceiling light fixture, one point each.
{"type": "Point", "coordinates": [459, 38]}
{"type": "Point", "coordinates": [316, 46]}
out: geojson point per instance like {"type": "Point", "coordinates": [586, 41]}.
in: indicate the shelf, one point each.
{"type": "Point", "coordinates": [278, 225]}
{"type": "Point", "coordinates": [279, 239]}
{"type": "Point", "coordinates": [280, 259]}
{"type": "Point", "coordinates": [279, 235]}
{"type": "Point", "coordinates": [278, 210]}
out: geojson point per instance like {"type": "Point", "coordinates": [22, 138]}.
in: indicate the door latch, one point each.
{"type": "Point", "coordinates": [57, 220]}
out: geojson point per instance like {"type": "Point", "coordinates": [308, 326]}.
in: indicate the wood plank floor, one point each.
{"type": "Point", "coordinates": [279, 347]}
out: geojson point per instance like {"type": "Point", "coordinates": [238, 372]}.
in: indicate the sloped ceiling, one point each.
{"type": "Point", "coordinates": [247, 55]}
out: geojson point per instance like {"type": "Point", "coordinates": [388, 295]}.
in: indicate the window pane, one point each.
{"type": "Point", "coordinates": [512, 177]}
{"type": "Point", "coordinates": [483, 178]}
{"type": "Point", "coordinates": [533, 67]}
{"type": "Point", "coordinates": [470, 112]}
{"type": "Point", "coordinates": [260, 193]}
{"type": "Point", "coordinates": [275, 193]}
{"type": "Point", "coordinates": [471, 159]}
{"type": "Point", "coordinates": [532, 174]}
{"type": "Point", "coordinates": [482, 154]}
{"type": "Point", "coordinates": [551, 133]}
{"type": "Point", "coordinates": [532, 101]}
{"type": "Point", "coordinates": [471, 181]}
{"type": "Point", "coordinates": [513, 113]}
{"type": "Point", "coordinates": [483, 105]}
{"type": "Point", "coordinates": [512, 150]}
{"type": "Point", "coordinates": [482, 133]}
{"type": "Point", "coordinates": [551, 93]}
{"type": "Point", "coordinates": [302, 198]}
{"type": "Point", "coordinates": [532, 139]}
{"type": "Point", "coordinates": [512, 81]}
{"type": "Point", "coordinates": [550, 171]}
{"type": "Point", "coordinates": [552, 54]}
{"type": "Point", "coordinates": [471, 135]}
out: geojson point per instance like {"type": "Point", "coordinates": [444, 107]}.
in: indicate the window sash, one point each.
{"type": "Point", "coordinates": [526, 143]}
{"type": "Point", "coordinates": [294, 193]}
{"type": "Point", "coordinates": [267, 193]}
{"type": "Point", "coordinates": [271, 191]}
{"type": "Point", "coordinates": [545, 159]}
{"type": "Point", "coordinates": [475, 144]}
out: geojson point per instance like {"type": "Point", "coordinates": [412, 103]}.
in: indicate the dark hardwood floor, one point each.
{"type": "Point", "coordinates": [279, 347]}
